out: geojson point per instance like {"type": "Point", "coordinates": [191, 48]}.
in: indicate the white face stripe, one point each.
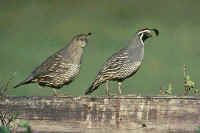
{"type": "Point", "coordinates": [142, 34]}
{"type": "Point", "coordinates": [148, 31]}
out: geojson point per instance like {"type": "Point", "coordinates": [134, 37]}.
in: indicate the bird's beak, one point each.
{"type": "Point", "coordinates": [155, 31]}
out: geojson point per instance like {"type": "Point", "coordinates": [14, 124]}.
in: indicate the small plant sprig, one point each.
{"type": "Point", "coordinates": [24, 124]}
{"type": "Point", "coordinates": [167, 91]}
{"type": "Point", "coordinates": [8, 117]}
{"type": "Point", "coordinates": [9, 123]}
{"type": "Point", "coordinates": [188, 83]}
{"type": "Point", "coordinates": [5, 86]}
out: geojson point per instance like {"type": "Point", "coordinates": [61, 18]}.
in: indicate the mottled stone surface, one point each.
{"type": "Point", "coordinates": [124, 114]}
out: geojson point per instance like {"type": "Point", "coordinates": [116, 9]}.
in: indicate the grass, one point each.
{"type": "Point", "coordinates": [30, 31]}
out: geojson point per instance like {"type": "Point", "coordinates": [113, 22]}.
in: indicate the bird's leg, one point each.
{"type": "Point", "coordinates": [57, 94]}
{"type": "Point", "coordinates": [119, 88]}
{"type": "Point", "coordinates": [107, 88]}
{"type": "Point", "coordinates": [54, 92]}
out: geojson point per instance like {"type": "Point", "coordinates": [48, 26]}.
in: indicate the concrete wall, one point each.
{"type": "Point", "coordinates": [127, 114]}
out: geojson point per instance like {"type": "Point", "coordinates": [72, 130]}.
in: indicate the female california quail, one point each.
{"type": "Point", "coordinates": [62, 67]}
{"type": "Point", "coordinates": [124, 63]}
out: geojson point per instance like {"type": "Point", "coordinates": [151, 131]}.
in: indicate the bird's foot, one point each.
{"type": "Point", "coordinates": [59, 95]}
{"type": "Point", "coordinates": [111, 95]}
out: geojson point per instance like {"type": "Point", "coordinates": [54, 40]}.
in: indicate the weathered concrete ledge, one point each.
{"type": "Point", "coordinates": [126, 114]}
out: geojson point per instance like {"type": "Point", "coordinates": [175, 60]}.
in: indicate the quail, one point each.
{"type": "Point", "coordinates": [62, 67]}
{"type": "Point", "coordinates": [123, 64]}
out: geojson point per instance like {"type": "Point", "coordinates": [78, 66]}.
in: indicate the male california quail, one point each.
{"type": "Point", "coordinates": [124, 63]}
{"type": "Point", "coordinates": [62, 67]}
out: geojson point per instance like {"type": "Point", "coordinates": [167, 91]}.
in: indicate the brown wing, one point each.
{"type": "Point", "coordinates": [112, 67]}
{"type": "Point", "coordinates": [51, 64]}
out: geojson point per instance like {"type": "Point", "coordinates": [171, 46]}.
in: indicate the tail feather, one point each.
{"type": "Point", "coordinates": [26, 81]}
{"type": "Point", "coordinates": [91, 89]}
{"type": "Point", "coordinates": [94, 85]}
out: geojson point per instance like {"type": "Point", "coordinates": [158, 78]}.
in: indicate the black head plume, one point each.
{"type": "Point", "coordinates": [156, 31]}
{"type": "Point", "coordinates": [89, 34]}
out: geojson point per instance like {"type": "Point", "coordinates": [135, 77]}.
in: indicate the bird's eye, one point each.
{"type": "Point", "coordinates": [82, 39]}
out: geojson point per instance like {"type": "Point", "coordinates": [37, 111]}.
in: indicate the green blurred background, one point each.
{"type": "Point", "coordinates": [32, 30]}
